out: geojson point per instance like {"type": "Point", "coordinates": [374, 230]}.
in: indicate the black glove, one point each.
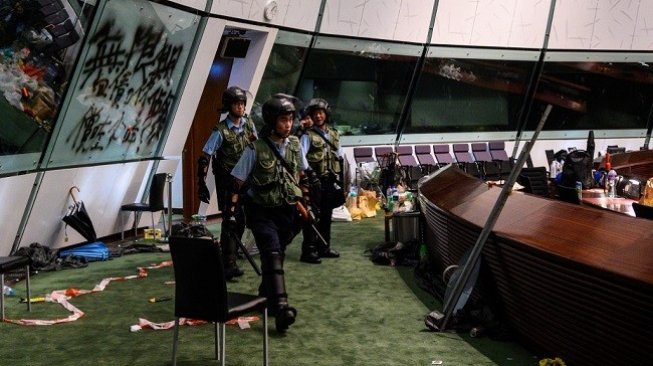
{"type": "Point", "coordinates": [229, 224]}
{"type": "Point", "coordinates": [203, 191]}
{"type": "Point", "coordinates": [311, 180]}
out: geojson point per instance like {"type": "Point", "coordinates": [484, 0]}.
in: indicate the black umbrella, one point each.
{"type": "Point", "coordinates": [78, 218]}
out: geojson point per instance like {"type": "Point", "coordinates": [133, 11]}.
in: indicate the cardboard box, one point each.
{"type": "Point", "coordinates": [154, 234]}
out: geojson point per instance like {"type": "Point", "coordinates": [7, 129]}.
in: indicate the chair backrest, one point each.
{"type": "Point", "coordinates": [442, 155]}
{"type": "Point", "coordinates": [200, 284]}
{"type": "Point", "coordinates": [480, 152]}
{"type": "Point", "coordinates": [643, 210]}
{"type": "Point", "coordinates": [157, 187]}
{"type": "Point", "coordinates": [568, 194]}
{"type": "Point", "coordinates": [550, 156]}
{"type": "Point", "coordinates": [461, 153]}
{"type": "Point", "coordinates": [423, 154]}
{"type": "Point", "coordinates": [363, 155]}
{"type": "Point", "coordinates": [382, 151]}
{"type": "Point", "coordinates": [498, 150]}
{"type": "Point", "coordinates": [405, 155]}
{"type": "Point", "coordinates": [535, 181]}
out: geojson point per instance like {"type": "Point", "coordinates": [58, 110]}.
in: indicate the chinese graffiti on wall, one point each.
{"type": "Point", "coordinates": [127, 86]}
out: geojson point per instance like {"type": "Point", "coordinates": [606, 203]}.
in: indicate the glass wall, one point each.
{"type": "Point", "coordinates": [282, 70]}
{"type": "Point", "coordinates": [600, 91]}
{"type": "Point", "coordinates": [127, 85]}
{"type": "Point", "coordinates": [464, 90]}
{"type": "Point", "coordinates": [39, 44]}
{"type": "Point", "coordinates": [364, 81]}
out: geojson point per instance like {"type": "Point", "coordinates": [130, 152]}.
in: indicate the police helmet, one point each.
{"type": "Point", "coordinates": [319, 103]}
{"type": "Point", "coordinates": [276, 106]}
{"type": "Point", "coordinates": [231, 95]}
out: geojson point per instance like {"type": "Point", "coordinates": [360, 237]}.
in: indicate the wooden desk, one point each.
{"type": "Point", "coordinates": [598, 198]}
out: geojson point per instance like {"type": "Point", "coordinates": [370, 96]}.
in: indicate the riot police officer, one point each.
{"type": "Point", "coordinates": [225, 145]}
{"type": "Point", "coordinates": [273, 165]}
{"type": "Point", "coordinates": [321, 144]}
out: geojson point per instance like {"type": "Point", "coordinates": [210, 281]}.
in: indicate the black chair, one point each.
{"type": "Point", "coordinates": [12, 263]}
{"type": "Point", "coordinates": [535, 181]}
{"type": "Point", "coordinates": [499, 154]}
{"type": "Point", "coordinates": [465, 160]}
{"type": "Point", "coordinates": [201, 292]}
{"type": "Point", "coordinates": [568, 194]}
{"type": "Point", "coordinates": [155, 203]}
{"type": "Point", "coordinates": [550, 156]}
{"type": "Point", "coordinates": [643, 210]}
{"type": "Point", "coordinates": [489, 168]}
{"type": "Point", "coordinates": [409, 165]}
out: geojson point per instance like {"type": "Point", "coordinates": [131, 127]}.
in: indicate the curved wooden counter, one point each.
{"type": "Point", "coordinates": [573, 282]}
{"type": "Point", "coordinates": [634, 163]}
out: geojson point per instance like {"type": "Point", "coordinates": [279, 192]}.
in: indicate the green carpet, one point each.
{"type": "Point", "coordinates": [351, 312]}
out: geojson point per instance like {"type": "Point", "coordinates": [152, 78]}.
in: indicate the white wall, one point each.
{"type": "Point", "coordinates": [298, 14]}
{"type": "Point", "coordinates": [602, 25]}
{"type": "Point", "coordinates": [398, 20]}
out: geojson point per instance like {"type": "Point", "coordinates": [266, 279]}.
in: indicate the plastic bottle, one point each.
{"type": "Point", "coordinates": [579, 190]}
{"type": "Point", "coordinates": [612, 183]}
{"type": "Point", "coordinates": [8, 291]}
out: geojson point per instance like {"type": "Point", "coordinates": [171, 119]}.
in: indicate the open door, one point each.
{"type": "Point", "coordinates": [206, 117]}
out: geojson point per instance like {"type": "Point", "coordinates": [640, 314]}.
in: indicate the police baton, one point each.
{"type": "Point", "coordinates": [309, 218]}
{"type": "Point", "coordinates": [245, 252]}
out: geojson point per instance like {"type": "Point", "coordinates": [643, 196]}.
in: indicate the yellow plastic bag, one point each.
{"type": "Point", "coordinates": [647, 198]}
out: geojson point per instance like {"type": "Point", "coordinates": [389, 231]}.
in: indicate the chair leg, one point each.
{"type": "Point", "coordinates": [29, 293]}
{"type": "Point", "coordinates": [265, 337]}
{"type": "Point", "coordinates": [223, 344]}
{"type": "Point", "coordinates": [122, 225]}
{"type": "Point", "coordinates": [175, 338]}
{"type": "Point", "coordinates": [216, 335]}
{"type": "Point", "coordinates": [2, 295]}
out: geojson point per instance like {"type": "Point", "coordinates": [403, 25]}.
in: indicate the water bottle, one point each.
{"type": "Point", "coordinates": [8, 291]}
{"type": "Point", "coordinates": [579, 190]}
{"type": "Point", "coordinates": [612, 183]}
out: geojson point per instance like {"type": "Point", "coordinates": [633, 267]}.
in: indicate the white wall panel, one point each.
{"type": "Point", "coordinates": [342, 17]}
{"type": "Point", "coordinates": [491, 23]}
{"type": "Point", "coordinates": [414, 20]}
{"type": "Point", "coordinates": [14, 193]}
{"type": "Point", "coordinates": [573, 24]}
{"type": "Point", "coordinates": [376, 23]}
{"type": "Point", "coordinates": [103, 189]}
{"type": "Point", "coordinates": [398, 20]}
{"type": "Point", "coordinates": [298, 14]}
{"type": "Point", "coordinates": [643, 38]}
{"type": "Point", "coordinates": [615, 25]}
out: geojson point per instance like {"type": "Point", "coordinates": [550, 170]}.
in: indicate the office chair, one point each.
{"type": "Point", "coordinates": [426, 161]}
{"type": "Point", "coordinates": [489, 168]}
{"type": "Point", "coordinates": [568, 194]}
{"type": "Point", "coordinates": [201, 292]}
{"type": "Point", "coordinates": [155, 203]}
{"type": "Point", "coordinates": [536, 181]}
{"type": "Point", "coordinates": [363, 155]}
{"type": "Point", "coordinates": [409, 165]}
{"type": "Point", "coordinates": [643, 210]}
{"type": "Point", "coordinates": [465, 160]}
{"type": "Point", "coordinates": [442, 155]}
{"type": "Point", "coordinates": [499, 154]}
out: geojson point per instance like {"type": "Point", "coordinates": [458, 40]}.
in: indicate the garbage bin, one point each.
{"type": "Point", "coordinates": [405, 226]}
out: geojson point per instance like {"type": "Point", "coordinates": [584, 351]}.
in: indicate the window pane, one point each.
{"type": "Point", "coordinates": [600, 91]}
{"type": "Point", "coordinates": [129, 81]}
{"type": "Point", "coordinates": [283, 69]}
{"type": "Point", "coordinates": [364, 81]}
{"type": "Point", "coordinates": [39, 43]}
{"type": "Point", "coordinates": [469, 90]}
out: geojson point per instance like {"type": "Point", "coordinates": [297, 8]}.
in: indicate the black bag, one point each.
{"type": "Point", "coordinates": [332, 191]}
{"type": "Point", "coordinates": [578, 168]}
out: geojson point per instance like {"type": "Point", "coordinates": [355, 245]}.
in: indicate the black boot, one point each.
{"type": "Point", "coordinates": [274, 285]}
{"type": "Point", "coordinates": [309, 249]}
{"type": "Point", "coordinates": [231, 269]}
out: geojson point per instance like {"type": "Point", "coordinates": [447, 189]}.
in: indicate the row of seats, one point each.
{"type": "Point", "coordinates": [488, 161]}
